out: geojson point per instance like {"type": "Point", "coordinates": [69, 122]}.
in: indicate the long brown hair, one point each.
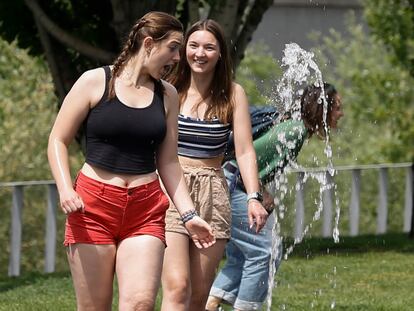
{"type": "Point", "coordinates": [157, 25]}
{"type": "Point", "coordinates": [221, 88]}
{"type": "Point", "coordinates": [312, 108]}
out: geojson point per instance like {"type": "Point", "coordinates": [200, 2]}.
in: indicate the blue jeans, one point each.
{"type": "Point", "coordinates": [243, 281]}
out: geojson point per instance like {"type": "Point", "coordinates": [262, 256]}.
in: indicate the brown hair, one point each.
{"type": "Point", "coordinates": [157, 25]}
{"type": "Point", "coordinates": [221, 87]}
{"type": "Point", "coordinates": [312, 108]}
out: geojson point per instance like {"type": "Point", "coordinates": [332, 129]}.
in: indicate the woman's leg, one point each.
{"type": "Point", "coordinates": [138, 268]}
{"type": "Point", "coordinates": [176, 286]}
{"type": "Point", "coordinates": [204, 264]}
{"type": "Point", "coordinates": [92, 268]}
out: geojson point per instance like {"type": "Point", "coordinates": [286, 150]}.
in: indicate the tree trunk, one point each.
{"type": "Point", "coordinates": [245, 36]}
{"type": "Point", "coordinates": [68, 55]}
{"type": "Point", "coordinates": [64, 37]}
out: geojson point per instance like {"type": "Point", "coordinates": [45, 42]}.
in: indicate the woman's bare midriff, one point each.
{"type": "Point", "coordinates": [120, 180]}
{"type": "Point", "coordinates": [214, 162]}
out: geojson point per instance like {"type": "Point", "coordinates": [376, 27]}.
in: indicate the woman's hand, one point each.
{"type": "Point", "coordinates": [200, 232]}
{"type": "Point", "coordinates": [71, 202]}
{"type": "Point", "coordinates": [257, 214]}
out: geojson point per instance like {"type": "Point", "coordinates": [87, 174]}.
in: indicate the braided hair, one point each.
{"type": "Point", "coordinates": [157, 25]}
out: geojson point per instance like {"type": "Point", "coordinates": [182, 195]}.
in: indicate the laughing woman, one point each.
{"type": "Point", "coordinates": [211, 105]}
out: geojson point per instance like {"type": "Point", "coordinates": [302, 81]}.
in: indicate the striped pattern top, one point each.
{"type": "Point", "coordinates": [202, 138]}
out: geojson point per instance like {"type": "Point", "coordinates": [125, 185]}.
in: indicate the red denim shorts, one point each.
{"type": "Point", "coordinates": [115, 213]}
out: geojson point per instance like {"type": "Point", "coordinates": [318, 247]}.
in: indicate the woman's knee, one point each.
{"type": "Point", "coordinates": [178, 290]}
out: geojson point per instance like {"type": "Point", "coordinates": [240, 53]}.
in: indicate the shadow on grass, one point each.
{"type": "Point", "coordinates": [10, 283]}
{"type": "Point", "coordinates": [311, 247]}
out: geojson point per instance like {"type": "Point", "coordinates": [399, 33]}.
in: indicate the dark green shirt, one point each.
{"type": "Point", "coordinates": [277, 146]}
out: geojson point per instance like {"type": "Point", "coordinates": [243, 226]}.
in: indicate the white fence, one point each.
{"type": "Point", "coordinates": [354, 205]}
{"type": "Point", "coordinates": [354, 209]}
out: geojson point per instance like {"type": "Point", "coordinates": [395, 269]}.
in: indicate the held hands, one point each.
{"type": "Point", "coordinates": [257, 214]}
{"type": "Point", "coordinates": [70, 201]}
{"type": "Point", "coordinates": [200, 232]}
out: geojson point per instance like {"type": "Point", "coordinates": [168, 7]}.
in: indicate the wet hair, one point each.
{"type": "Point", "coordinates": [312, 108]}
{"type": "Point", "coordinates": [157, 25]}
{"type": "Point", "coordinates": [221, 87]}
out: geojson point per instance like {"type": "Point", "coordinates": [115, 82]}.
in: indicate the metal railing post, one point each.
{"type": "Point", "coordinates": [16, 231]}
{"type": "Point", "coordinates": [354, 203]}
{"type": "Point", "coordinates": [50, 236]}
{"type": "Point", "coordinates": [408, 206]}
{"type": "Point", "coordinates": [300, 206]}
{"type": "Point", "coordinates": [383, 199]}
{"type": "Point", "coordinates": [411, 235]}
{"type": "Point", "coordinates": [327, 198]}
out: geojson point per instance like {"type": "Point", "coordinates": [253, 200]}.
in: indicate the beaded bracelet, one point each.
{"type": "Point", "coordinates": [188, 215]}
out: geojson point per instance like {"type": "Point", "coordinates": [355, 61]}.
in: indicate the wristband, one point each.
{"type": "Point", "coordinates": [188, 215]}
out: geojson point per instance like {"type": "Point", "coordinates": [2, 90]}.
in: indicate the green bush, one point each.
{"type": "Point", "coordinates": [27, 112]}
{"type": "Point", "coordinates": [258, 73]}
{"type": "Point", "coordinates": [377, 97]}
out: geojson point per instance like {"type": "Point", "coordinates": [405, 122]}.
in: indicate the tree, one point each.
{"type": "Point", "coordinates": [26, 115]}
{"type": "Point", "coordinates": [392, 22]}
{"type": "Point", "coordinates": [377, 97]}
{"type": "Point", "coordinates": [75, 35]}
{"type": "Point", "coordinates": [258, 73]}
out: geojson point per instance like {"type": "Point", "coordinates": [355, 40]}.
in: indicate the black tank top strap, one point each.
{"type": "Point", "coordinates": [159, 91]}
{"type": "Point", "coordinates": [158, 87]}
{"type": "Point", "coordinates": [108, 74]}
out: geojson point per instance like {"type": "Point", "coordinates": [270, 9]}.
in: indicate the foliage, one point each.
{"type": "Point", "coordinates": [27, 112]}
{"type": "Point", "coordinates": [377, 97]}
{"type": "Point", "coordinates": [78, 35]}
{"type": "Point", "coordinates": [258, 73]}
{"type": "Point", "coordinates": [392, 22]}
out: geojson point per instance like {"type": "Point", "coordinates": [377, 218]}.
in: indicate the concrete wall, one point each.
{"type": "Point", "coordinates": [293, 21]}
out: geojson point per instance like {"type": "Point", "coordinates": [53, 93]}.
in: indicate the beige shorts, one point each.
{"type": "Point", "coordinates": [210, 194]}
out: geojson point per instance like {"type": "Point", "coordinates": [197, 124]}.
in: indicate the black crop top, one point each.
{"type": "Point", "coordinates": [123, 139]}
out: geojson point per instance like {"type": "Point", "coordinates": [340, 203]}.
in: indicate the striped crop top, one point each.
{"type": "Point", "coordinates": [200, 138]}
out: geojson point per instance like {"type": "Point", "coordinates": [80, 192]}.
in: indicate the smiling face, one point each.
{"type": "Point", "coordinates": [202, 51]}
{"type": "Point", "coordinates": [164, 55]}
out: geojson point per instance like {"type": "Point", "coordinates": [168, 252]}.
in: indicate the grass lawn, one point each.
{"type": "Point", "coordinates": [370, 273]}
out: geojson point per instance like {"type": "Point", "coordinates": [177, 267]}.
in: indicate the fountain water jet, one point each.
{"type": "Point", "coordinates": [300, 71]}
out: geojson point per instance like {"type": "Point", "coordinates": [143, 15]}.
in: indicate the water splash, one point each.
{"type": "Point", "coordinates": [300, 70]}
